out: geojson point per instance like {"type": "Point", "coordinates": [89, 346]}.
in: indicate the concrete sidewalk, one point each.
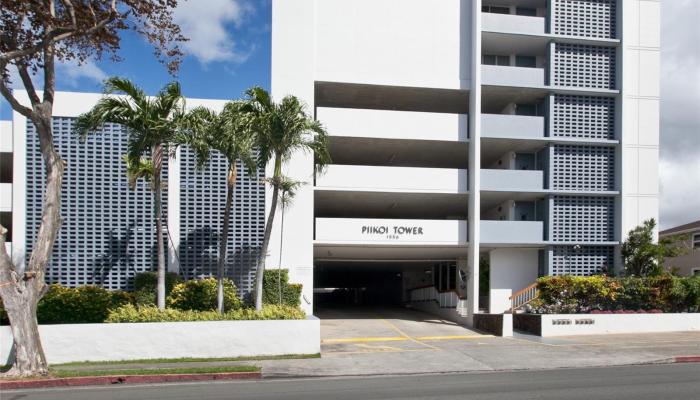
{"type": "Point", "coordinates": [485, 353]}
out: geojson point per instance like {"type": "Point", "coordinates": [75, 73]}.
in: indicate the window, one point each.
{"type": "Point", "coordinates": [495, 9]}
{"type": "Point", "coordinates": [526, 11]}
{"type": "Point", "coordinates": [6, 221]}
{"type": "Point", "coordinates": [526, 61]}
{"type": "Point", "coordinates": [5, 167]}
{"type": "Point", "coordinates": [696, 241]}
{"type": "Point", "coordinates": [696, 272]}
{"type": "Point", "coordinates": [491, 59]}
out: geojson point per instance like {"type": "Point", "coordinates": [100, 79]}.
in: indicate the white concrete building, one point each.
{"type": "Point", "coordinates": [522, 134]}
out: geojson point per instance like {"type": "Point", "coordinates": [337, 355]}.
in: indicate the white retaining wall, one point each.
{"type": "Point", "coordinates": [596, 324]}
{"type": "Point", "coordinates": [210, 339]}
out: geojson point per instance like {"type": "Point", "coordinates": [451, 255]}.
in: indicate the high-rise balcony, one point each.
{"type": "Point", "coordinates": [507, 180]}
{"type": "Point", "coordinates": [498, 75]}
{"type": "Point", "coordinates": [511, 232]}
{"type": "Point", "coordinates": [508, 23]}
{"type": "Point", "coordinates": [390, 231]}
{"type": "Point", "coordinates": [512, 126]}
{"type": "Point", "coordinates": [5, 196]}
{"type": "Point", "coordinates": [362, 177]}
{"type": "Point", "coordinates": [389, 124]}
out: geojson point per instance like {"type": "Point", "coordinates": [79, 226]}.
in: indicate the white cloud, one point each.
{"type": "Point", "coordinates": [70, 73]}
{"type": "Point", "coordinates": [680, 113]}
{"type": "Point", "coordinates": [206, 26]}
{"type": "Point", "coordinates": [680, 191]}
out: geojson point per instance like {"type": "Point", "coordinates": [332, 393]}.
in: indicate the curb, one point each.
{"type": "Point", "coordinates": [125, 379]}
{"type": "Point", "coordinates": [686, 359]}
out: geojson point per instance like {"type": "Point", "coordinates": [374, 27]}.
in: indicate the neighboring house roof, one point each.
{"type": "Point", "coordinates": [685, 228]}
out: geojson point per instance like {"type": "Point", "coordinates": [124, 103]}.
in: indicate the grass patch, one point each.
{"type": "Point", "coordinates": [190, 359]}
{"type": "Point", "coordinates": [71, 373]}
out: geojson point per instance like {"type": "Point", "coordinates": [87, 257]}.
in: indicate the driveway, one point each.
{"type": "Point", "coordinates": [403, 341]}
{"type": "Point", "coordinates": [372, 330]}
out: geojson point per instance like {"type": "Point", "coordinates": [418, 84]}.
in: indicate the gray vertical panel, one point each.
{"type": "Point", "coordinates": [107, 233]}
{"type": "Point", "coordinates": [583, 168]}
{"type": "Point", "coordinates": [202, 201]}
{"type": "Point", "coordinates": [580, 65]}
{"type": "Point", "coordinates": [590, 18]}
{"type": "Point", "coordinates": [589, 117]}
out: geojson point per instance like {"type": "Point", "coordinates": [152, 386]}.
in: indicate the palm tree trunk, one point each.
{"type": "Point", "coordinates": [230, 185]}
{"type": "Point", "coordinates": [279, 263]}
{"type": "Point", "coordinates": [158, 211]}
{"type": "Point", "coordinates": [266, 239]}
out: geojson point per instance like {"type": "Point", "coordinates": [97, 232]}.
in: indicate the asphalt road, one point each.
{"type": "Point", "coordinates": [670, 381]}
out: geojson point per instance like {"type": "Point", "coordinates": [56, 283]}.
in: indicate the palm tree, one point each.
{"type": "Point", "coordinates": [229, 133]}
{"type": "Point", "coordinates": [282, 129]}
{"type": "Point", "coordinates": [151, 125]}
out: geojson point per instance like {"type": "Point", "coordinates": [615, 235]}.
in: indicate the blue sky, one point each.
{"type": "Point", "coordinates": [228, 52]}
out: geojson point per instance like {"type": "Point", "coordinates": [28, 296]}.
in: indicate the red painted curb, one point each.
{"type": "Point", "coordinates": [686, 359]}
{"type": "Point", "coordinates": [125, 379]}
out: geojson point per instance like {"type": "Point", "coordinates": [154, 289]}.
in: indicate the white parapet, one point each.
{"type": "Point", "coordinates": [512, 126]}
{"type": "Point", "coordinates": [512, 76]}
{"type": "Point", "coordinates": [511, 232]}
{"type": "Point", "coordinates": [508, 180]}
{"type": "Point", "coordinates": [596, 324]}
{"type": "Point", "coordinates": [387, 124]}
{"type": "Point", "coordinates": [508, 23]}
{"type": "Point", "coordinates": [209, 339]}
{"type": "Point", "coordinates": [5, 197]}
{"type": "Point", "coordinates": [361, 177]}
{"type": "Point", "coordinates": [390, 231]}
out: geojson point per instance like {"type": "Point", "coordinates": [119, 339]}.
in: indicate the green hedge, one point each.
{"type": "Point", "coordinates": [131, 313]}
{"type": "Point", "coordinates": [571, 294]}
{"type": "Point", "coordinates": [291, 292]}
{"type": "Point", "coordinates": [145, 285]}
{"type": "Point", "coordinates": [200, 295]}
{"type": "Point", "coordinates": [81, 305]}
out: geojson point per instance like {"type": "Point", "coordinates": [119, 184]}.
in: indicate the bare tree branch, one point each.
{"type": "Point", "coordinates": [14, 103]}
{"type": "Point", "coordinates": [28, 84]}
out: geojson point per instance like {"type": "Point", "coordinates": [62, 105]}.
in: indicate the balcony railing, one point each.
{"type": "Point", "coordinates": [361, 177]}
{"type": "Point", "coordinates": [512, 126]}
{"type": "Point", "coordinates": [386, 124]}
{"type": "Point", "coordinates": [512, 76]}
{"type": "Point", "coordinates": [511, 232]}
{"type": "Point", "coordinates": [507, 23]}
{"type": "Point", "coordinates": [391, 231]}
{"type": "Point", "coordinates": [5, 196]}
{"type": "Point", "coordinates": [507, 180]}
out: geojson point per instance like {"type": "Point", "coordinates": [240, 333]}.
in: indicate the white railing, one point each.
{"type": "Point", "coordinates": [522, 297]}
{"type": "Point", "coordinates": [448, 299]}
{"type": "Point", "coordinates": [428, 293]}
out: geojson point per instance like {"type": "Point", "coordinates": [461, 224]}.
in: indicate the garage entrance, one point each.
{"type": "Point", "coordinates": [368, 284]}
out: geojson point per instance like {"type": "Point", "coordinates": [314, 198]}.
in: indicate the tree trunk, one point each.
{"type": "Point", "coordinates": [266, 239]}
{"type": "Point", "coordinates": [21, 291]}
{"type": "Point", "coordinates": [158, 211]}
{"type": "Point", "coordinates": [29, 354]}
{"type": "Point", "coordinates": [230, 185]}
{"type": "Point", "coordinates": [279, 263]}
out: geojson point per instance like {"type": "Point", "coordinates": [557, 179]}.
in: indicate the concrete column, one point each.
{"type": "Point", "coordinates": [173, 222]}
{"type": "Point", "coordinates": [474, 213]}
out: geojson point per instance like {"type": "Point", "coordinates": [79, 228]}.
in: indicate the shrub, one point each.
{"type": "Point", "coordinates": [569, 294]}
{"type": "Point", "coordinates": [131, 313]}
{"type": "Point", "coordinates": [200, 295]}
{"type": "Point", "coordinates": [145, 285]}
{"type": "Point", "coordinates": [84, 304]}
{"type": "Point", "coordinates": [291, 292]}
